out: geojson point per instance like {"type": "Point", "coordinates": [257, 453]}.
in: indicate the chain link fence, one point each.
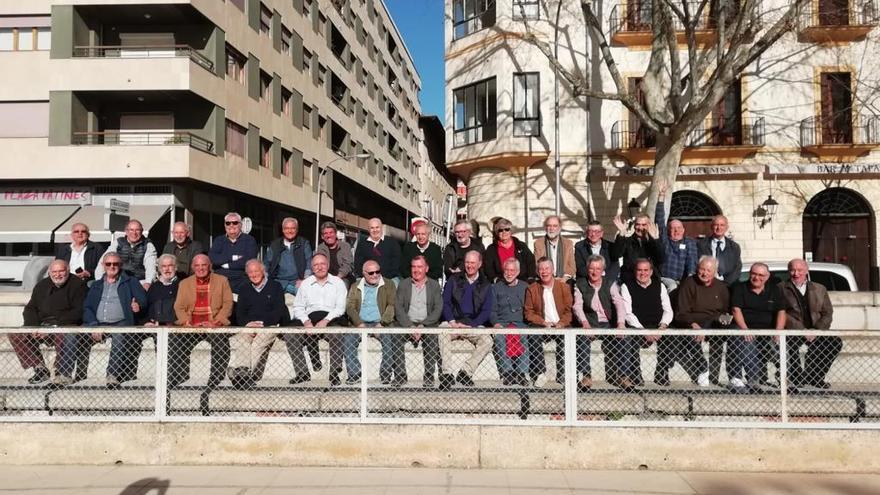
{"type": "Point", "coordinates": [388, 375]}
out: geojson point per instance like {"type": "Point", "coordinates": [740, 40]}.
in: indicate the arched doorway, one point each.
{"type": "Point", "coordinates": [839, 228]}
{"type": "Point", "coordinates": [695, 210]}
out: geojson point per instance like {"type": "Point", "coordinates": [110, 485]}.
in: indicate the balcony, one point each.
{"type": "Point", "coordinates": [716, 141]}
{"type": "Point", "coordinates": [836, 21]}
{"type": "Point", "coordinates": [630, 25]}
{"type": "Point", "coordinates": [840, 143]}
{"type": "Point", "coordinates": [134, 138]}
{"type": "Point", "coordinates": [168, 51]}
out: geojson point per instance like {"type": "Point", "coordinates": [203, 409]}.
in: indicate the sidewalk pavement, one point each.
{"type": "Point", "coordinates": [244, 480]}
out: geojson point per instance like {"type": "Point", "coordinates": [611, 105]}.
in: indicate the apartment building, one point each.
{"type": "Point", "coordinates": [189, 109]}
{"type": "Point", "coordinates": [790, 155]}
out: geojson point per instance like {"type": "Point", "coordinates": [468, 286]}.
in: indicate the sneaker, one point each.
{"type": "Point", "coordinates": [585, 384]}
{"type": "Point", "coordinates": [41, 374]}
{"type": "Point", "coordinates": [61, 381]}
{"type": "Point", "coordinates": [353, 380]}
{"type": "Point", "coordinates": [113, 382]}
{"type": "Point", "coordinates": [334, 378]}
{"type": "Point", "coordinates": [703, 379]}
{"type": "Point", "coordinates": [464, 379]}
{"type": "Point", "coordinates": [428, 381]}
{"type": "Point", "coordinates": [737, 383]}
{"type": "Point", "coordinates": [300, 379]}
{"type": "Point", "coordinates": [446, 381]}
{"type": "Point", "coordinates": [540, 380]}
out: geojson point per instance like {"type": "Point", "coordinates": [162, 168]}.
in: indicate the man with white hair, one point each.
{"type": "Point", "coordinates": [680, 252]}
{"type": "Point", "coordinates": [137, 253]}
{"type": "Point", "coordinates": [230, 252]}
{"type": "Point", "coordinates": [558, 249]}
{"type": "Point", "coordinates": [463, 242]}
{"type": "Point", "coordinates": [81, 255]}
{"type": "Point", "coordinates": [55, 301]}
{"type": "Point", "coordinates": [289, 257]}
{"type": "Point", "coordinates": [163, 293]}
{"type": "Point", "coordinates": [183, 247]}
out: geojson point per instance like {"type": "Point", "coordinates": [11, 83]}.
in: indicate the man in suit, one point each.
{"type": "Point", "coordinates": [595, 244]}
{"type": "Point", "coordinates": [728, 254]}
{"type": "Point", "coordinates": [558, 249]}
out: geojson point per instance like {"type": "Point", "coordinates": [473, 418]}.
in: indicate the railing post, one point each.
{"type": "Point", "coordinates": [161, 388]}
{"type": "Point", "coordinates": [783, 376]}
{"type": "Point", "coordinates": [570, 378]}
{"type": "Point", "coordinates": [364, 363]}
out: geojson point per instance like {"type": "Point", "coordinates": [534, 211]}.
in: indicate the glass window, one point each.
{"type": "Point", "coordinates": [235, 63]}
{"type": "Point", "coordinates": [526, 9]}
{"type": "Point", "coordinates": [470, 16]}
{"type": "Point", "coordinates": [25, 39]}
{"type": "Point", "coordinates": [526, 104]}
{"type": "Point", "coordinates": [286, 36]}
{"type": "Point", "coordinates": [474, 113]}
{"type": "Point", "coordinates": [285, 163]}
{"type": "Point", "coordinates": [44, 38]}
{"type": "Point", "coordinates": [6, 37]}
{"type": "Point", "coordinates": [265, 86]}
{"type": "Point", "coordinates": [265, 21]}
{"type": "Point", "coordinates": [265, 153]}
{"type": "Point", "coordinates": [236, 139]}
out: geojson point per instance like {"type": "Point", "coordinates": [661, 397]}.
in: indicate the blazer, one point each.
{"type": "Point", "coordinates": [582, 252]}
{"type": "Point", "coordinates": [533, 310]}
{"type": "Point", "coordinates": [729, 260]}
{"type": "Point", "coordinates": [219, 297]}
{"type": "Point", "coordinates": [568, 265]}
{"type": "Point", "coordinates": [821, 311]}
{"type": "Point", "coordinates": [384, 300]}
{"type": "Point", "coordinates": [402, 301]}
{"type": "Point", "coordinates": [90, 257]}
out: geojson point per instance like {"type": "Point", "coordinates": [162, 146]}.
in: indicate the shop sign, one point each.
{"type": "Point", "coordinates": [826, 169]}
{"type": "Point", "coordinates": [38, 196]}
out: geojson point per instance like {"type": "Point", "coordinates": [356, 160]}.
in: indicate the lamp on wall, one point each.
{"type": "Point", "coordinates": [766, 211]}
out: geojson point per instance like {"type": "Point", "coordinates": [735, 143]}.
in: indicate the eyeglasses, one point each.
{"type": "Point", "coordinates": [80, 232]}
{"type": "Point", "coordinates": [373, 273]}
{"type": "Point", "coordinates": [504, 229]}
{"type": "Point", "coordinates": [232, 223]}
{"type": "Point", "coordinates": [461, 232]}
{"type": "Point", "coordinates": [112, 263]}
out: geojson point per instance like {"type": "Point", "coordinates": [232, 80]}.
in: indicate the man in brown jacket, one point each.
{"type": "Point", "coordinates": [204, 299]}
{"type": "Point", "coordinates": [809, 307]}
{"type": "Point", "coordinates": [548, 304]}
{"type": "Point", "coordinates": [557, 249]}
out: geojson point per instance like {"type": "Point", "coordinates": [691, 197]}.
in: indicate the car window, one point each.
{"type": "Point", "coordinates": [831, 281]}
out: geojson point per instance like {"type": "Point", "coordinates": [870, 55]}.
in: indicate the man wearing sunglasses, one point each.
{"type": "Point", "coordinates": [113, 301]}
{"type": "Point", "coordinates": [81, 255]}
{"type": "Point", "coordinates": [371, 304]}
{"type": "Point", "coordinates": [137, 253]}
{"type": "Point", "coordinates": [230, 252]}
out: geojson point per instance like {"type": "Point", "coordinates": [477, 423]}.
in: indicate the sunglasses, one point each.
{"type": "Point", "coordinates": [505, 229]}
{"type": "Point", "coordinates": [232, 223]}
{"type": "Point", "coordinates": [373, 273]}
{"type": "Point", "coordinates": [112, 263]}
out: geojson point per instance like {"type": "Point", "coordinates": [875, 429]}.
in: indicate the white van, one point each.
{"type": "Point", "coordinates": [834, 276]}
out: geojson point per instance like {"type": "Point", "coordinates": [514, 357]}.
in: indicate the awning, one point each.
{"type": "Point", "coordinates": [31, 223]}
{"type": "Point", "coordinates": [93, 216]}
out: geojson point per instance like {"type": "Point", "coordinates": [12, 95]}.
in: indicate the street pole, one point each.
{"type": "Point", "coordinates": [558, 167]}
{"type": "Point", "coordinates": [320, 181]}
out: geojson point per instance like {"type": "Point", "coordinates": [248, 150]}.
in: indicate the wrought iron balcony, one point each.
{"type": "Point", "coordinates": [840, 141]}
{"type": "Point", "coordinates": [831, 21]}
{"type": "Point", "coordinates": [143, 138]}
{"type": "Point", "coordinates": [169, 51]}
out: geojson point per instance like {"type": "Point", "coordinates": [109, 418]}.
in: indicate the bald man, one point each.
{"type": "Point", "coordinates": [380, 248]}
{"type": "Point", "coordinates": [680, 252]}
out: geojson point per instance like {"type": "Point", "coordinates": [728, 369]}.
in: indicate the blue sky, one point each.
{"type": "Point", "coordinates": [421, 24]}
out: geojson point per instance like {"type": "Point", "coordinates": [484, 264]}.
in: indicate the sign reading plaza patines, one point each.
{"type": "Point", "coordinates": [825, 169]}
{"type": "Point", "coordinates": [37, 196]}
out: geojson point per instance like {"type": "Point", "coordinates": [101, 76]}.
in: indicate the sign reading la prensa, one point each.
{"type": "Point", "coordinates": [687, 171]}
{"type": "Point", "coordinates": [35, 196]}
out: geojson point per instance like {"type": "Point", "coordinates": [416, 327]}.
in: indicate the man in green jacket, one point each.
{"type": "Point", "coordinates": [370, 303]}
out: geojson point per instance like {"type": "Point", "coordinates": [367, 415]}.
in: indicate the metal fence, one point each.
{"type": "Point", "coordinates": [390, 375]}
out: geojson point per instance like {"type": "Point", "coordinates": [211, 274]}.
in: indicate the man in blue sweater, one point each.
{"type": "Point", "coordinates": [230, 252]}
{"type": "Point", "coordinates": [379, 248]}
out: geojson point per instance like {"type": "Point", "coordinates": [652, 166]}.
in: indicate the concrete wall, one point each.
{"type": "Point", "coordinates": [442, 446]}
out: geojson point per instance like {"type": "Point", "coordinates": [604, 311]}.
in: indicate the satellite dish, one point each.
{"type": "Point", "coordinates": [246, 225]}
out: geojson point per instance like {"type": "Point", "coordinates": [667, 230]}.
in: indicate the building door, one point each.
{"type": "Point", "coordinates": [839, 228]}
{"type": "Point", "coordinates": [641, 136]}
{"type": "Point", "coordinates": [695, 210]}
{"type": "Point", "coordinates": [727, 118]}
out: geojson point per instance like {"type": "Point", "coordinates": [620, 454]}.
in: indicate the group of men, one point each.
{"type": "Point", "coordinates": [651, 278]}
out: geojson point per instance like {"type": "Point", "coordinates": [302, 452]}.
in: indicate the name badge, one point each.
{"type": "Point", "coordinates": [682, 247]}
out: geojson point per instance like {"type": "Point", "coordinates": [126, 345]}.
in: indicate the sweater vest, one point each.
{"type": "Point", "coordinates": [646, 303]}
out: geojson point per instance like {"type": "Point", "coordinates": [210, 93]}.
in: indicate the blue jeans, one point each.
{"type": "Point", "coordinates": [125, 349]}
{"type": "Point", "coordinates": [289, 287]}
{"type": "Point", "coordinates": [742, 356]}
{"type": "Point", "coordinates": [507, 364]}
{"type": "Point", "coordinates": [392, 355]}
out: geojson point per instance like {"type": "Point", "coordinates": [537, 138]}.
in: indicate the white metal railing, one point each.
{"type": "Point", "coordinates": [154, 390]}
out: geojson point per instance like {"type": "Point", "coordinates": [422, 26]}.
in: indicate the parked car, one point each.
{"type": "Point", "coordinates": [834, 276]}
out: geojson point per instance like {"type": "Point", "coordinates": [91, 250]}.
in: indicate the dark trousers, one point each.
{"type": "Point", "coordinates": [622, 357]}
{"type": "Point", "coordinates": [77, 347]}
{"type": "Point", "coordinates": [125, 351]}
{"type": "Point", "coordinates": [820, 355]}
{"type": "Point", "coordinates": [537, 365]}
{"type": "Point", "coordinates": [180, 347]}
{"type": "Point", "coordinates": [27, 348]}
{"type": "Point", "coordinates": [431, 353]}
{"type": "Point", "coordinates": [743, 357]}
{"type": "Point", "coordinates": [296, 341]}
{"type": "Point", "coordinates": [582, 350]}
{"type": "Point", "coordinates": [683, 349]}
{"type": "Point", "coordinates": [716, 355]}
{"type": "Point", "coordinates": [768, 353]}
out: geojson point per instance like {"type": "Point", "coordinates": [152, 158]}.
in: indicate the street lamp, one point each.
{"type": "Point", "coordinates": [318, 199]}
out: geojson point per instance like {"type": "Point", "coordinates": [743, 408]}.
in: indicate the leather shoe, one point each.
{"type": "Point", "coordinates": [585, 384]}
{"type": "Point", "coordinates": [464, 379]}
{"type": "Point", "coordinates": [446, 381]}
{"type": "Point", "coordinates": [41, 375]}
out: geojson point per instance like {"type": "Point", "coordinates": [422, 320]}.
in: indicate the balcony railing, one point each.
{"type": "Point", "coordinates": [637, 17]}
{"type": "Point", "coordinates": [169, 51]}
{"type": "Point", "coordinates": [627, 134]}
{"type": "Point", "coordinates": [136, 138]}
{"type": "Point", "coordinates": [825, 15]}
{"type": "Point", "coordinates": [731, 131]}
{"type": "Point", "coordinates": [822, 132]}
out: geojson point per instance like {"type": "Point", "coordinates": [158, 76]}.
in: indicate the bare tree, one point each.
{"type": "Point", "coordinates": [681, 85]}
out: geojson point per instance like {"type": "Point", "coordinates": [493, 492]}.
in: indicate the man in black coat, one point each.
{"type": "Point", "coordinates": [379, 248]}
{"type": "Point", "coordinates": [184, 248]}
{"type": "Point", "coordinates": [162, 293]}
{"type": "Point", "coordinates": [55, 301]}
{"type": "Point", "coordinates": [596, 244]}
{"type": "Point", "coordinates": [644, 243]}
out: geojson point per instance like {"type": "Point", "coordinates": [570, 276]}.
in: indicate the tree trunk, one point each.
{"type": "Point", "coordinates": [666, 164]}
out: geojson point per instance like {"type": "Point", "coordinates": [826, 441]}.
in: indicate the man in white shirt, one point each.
{"type": "Point", "coordinates": [320, 303]}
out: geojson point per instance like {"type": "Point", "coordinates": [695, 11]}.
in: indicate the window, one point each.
{"type": "Point", "coordinates": [474, 113]}
{"type": "Point", "coordinates": [470, 16]}
{"type": "Point", "coordinates": [307, 116]}
{"type": "Point", "coordinates": [526, 104]}
{"type": "Point", "coordinates": [836, 108]}
{"type": "Point", "coordinates": [235, 63]}
{"type": "Point", "coordinates": [236, 139]}
{"type": "Point", "coordinates": [25, 38]}
{"type": "Point", "coordinates": [265, 153]}
{"type": "Point", "coordinates": [285, 162]}
{"type": "Point", "coordinates": [24, 119]}
{"type": "Point", "coordinates": [307, 173]}
{"type": "Point", "coordinates": [265, 87]}
{"type": "Point", "coordinates": [265, 21]}
{"type": "Point", "coordinates": [526, 9]}
{"type": "Point", "coordinates": [307, 8]}
{"type": "Point", "coordinates": [286, 37]}
{"type": "Point", "coordinates": [286, 95]}
{"type": "Point", "coordinates": [307, 61]}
